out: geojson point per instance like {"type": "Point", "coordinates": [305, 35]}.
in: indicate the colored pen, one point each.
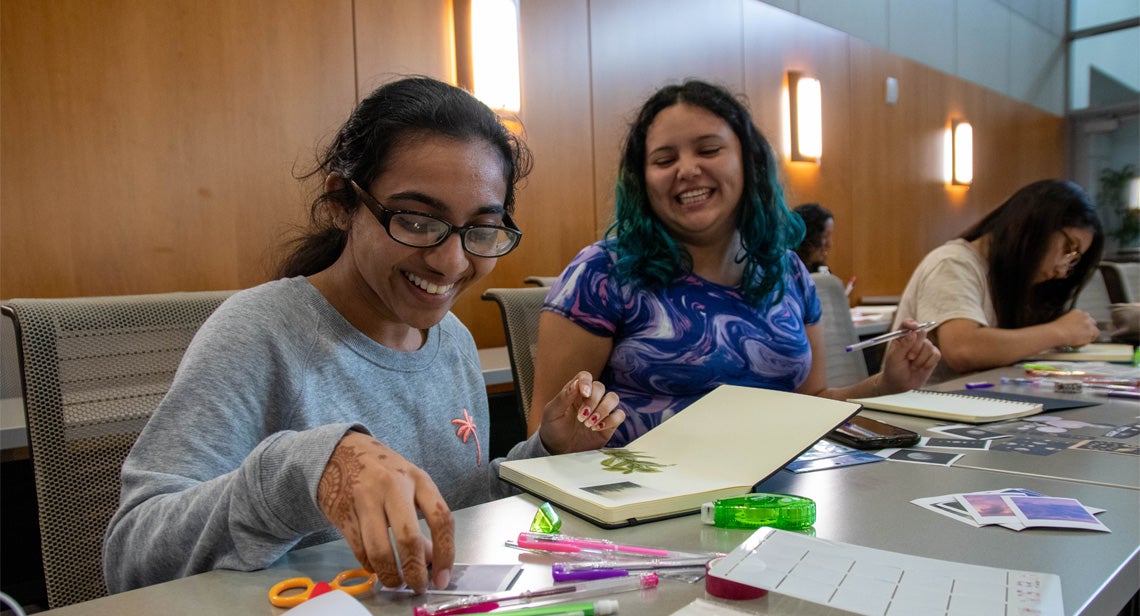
{"type": "Point", "coordinates": [1132, 395]}
{"type": "Point", "coordinates": [638, 565]}
{"type": "Point", "coordinates": [561, 575]}
{"type": "Point", "coordinates": [605, 607]}
{"type": "Point", "coordinates": [887, 337]}
{"type": "Point", "coordinates": [478, 604]}
{"type": "Point", "coordinates": [565, 543]}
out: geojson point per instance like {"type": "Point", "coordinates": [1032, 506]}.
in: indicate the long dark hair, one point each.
{"type": "Point", "coordinates": [1020, 231]}
{"type": "Point", "coordinates": [648, 255]}
{"type": "Point", "coordinates": [392, 115]}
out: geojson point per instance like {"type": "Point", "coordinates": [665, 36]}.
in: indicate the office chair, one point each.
{"type": "Point", "coordinates": [843, 368]}
{"type": "Point", "coordinates": [541, 281]}
{"type": "Point", "coordinates": [520, 309]}
{"type": "Point", "coordinates": [1122, 281]}
{"type": "Point", "coordinates": [92, 371]}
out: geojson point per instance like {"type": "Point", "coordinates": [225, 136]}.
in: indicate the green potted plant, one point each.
{"type": "Point", "coordinates": [1112, 198]}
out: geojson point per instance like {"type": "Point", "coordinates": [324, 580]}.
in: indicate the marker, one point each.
{"type": "Point", "coordinates": [605, 607]}
{"type": "Point", "coordinates": [979, 385]}
{"type": "Point", "coordinates": [887, 337]}
{"type": "Point", "coordinates": [478, 604]}
{"type": "Point", "coordinates": [565, 543]}
{"type": "Point", "coordinates": [850, 286]}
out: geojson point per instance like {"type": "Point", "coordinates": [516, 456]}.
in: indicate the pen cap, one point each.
{"type": "Point", "coordinates": [782, 511]}
{"type": "Point", "coordinates": [605, 607]}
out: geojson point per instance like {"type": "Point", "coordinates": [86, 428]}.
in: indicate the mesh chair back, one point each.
{"type": "Point", "coordinates": [520, 309]}
{"type": "Point", "coordinates": [93, 369]}
{"type": "Point", "coordinates": [843, 368]}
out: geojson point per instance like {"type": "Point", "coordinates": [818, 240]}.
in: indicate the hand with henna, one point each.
{"type": "Point", "coordinates": [365, 488]}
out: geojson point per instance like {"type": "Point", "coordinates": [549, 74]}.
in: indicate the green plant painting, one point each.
{"type": "Point", "coordinates": [626, 462]}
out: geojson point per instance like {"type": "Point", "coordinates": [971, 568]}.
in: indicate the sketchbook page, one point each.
{"type": "Point", "coordinates": [943, 405]}
{"type": "Point", "coordinates": [743, 434]}
{"type": "Point", "coordinates": [595, 481]}
{"type": "Point", "coordinates": [871, 581]}
{"type": "Point", "coordinates": [1097, 351]}
{"type": "Point", "coordinates": [719, 446]}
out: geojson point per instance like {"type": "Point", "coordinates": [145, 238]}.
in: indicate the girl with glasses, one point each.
{"type": "Point", "coordinates": [1005, 289]}
{"type": "Point", "coordinates": [345, 399]}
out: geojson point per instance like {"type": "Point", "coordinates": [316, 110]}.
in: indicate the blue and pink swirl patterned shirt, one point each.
{"type": "Point", "coordinates": [674, 345]}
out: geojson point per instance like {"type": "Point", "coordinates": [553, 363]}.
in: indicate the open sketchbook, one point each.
{"type": "Point", "coordinates": [719, 446]}
{"type": "Point", "coordinates": [1097, 351]}
{"type": "Point", "coordinates": [951, 407]}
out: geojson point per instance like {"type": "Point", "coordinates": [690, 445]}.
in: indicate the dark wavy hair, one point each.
{"type": "Point", "coordinates": [647, 255]}
{"type": "Point", "coordinates": [1020, 231]}
{"type": "Point", "coordinates": [395, 114]}
{"type": "Point", "coordinates": [815, 218]}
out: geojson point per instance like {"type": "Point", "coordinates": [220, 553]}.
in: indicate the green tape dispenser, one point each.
{"type": "Point", "coordinates": [782, 511]}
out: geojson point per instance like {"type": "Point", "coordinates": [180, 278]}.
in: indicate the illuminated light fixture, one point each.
{"type": "Point", "coordinates": [487, 51]}
{"type": "Point", "coordinates": [962, 153]}
{"type": "Point", "coordinates": [805, 109]}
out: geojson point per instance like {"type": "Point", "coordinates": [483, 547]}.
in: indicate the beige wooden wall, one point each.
{"type": "Point", "coordinates": [150, 145]}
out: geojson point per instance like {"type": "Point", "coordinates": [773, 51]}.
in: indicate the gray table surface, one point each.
{"type": "Point", "coordinates": [865, 505]}
{"type": "Point", "coordinates": [1070, 464]}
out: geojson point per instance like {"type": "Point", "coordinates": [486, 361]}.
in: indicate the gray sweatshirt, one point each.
{"type": "Point", "coordinates": [224, 475]}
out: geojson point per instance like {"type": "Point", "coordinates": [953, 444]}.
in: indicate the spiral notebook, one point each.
{"type": "Point", "coordinates": [950, 406]}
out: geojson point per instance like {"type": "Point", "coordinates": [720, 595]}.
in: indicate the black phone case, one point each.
{"type": "Point", "coordinates": [881, 442]}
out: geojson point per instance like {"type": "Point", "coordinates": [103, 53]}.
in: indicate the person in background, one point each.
{"type": "Point", "coordinates": [345, 399]}
{"type": "Point", "coordinates": [818, 226]}
{"type": "Point", "coordinates": [1004, 290]}
{"type": "Point", "coordinates": [697, 284]}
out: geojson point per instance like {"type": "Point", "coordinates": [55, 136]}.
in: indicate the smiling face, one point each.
{"type": "Point", "coordinates": [693, 174]}
{"type": "Point", "coordinates": [461, 182]}
{"type": "Point", "coordinates": [1065, 250]}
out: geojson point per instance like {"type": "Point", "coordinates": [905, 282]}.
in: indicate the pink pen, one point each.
{"type": "Point", "coordinates": [563, 543]}
{"type": "Point", "coordinates": [479, 604]}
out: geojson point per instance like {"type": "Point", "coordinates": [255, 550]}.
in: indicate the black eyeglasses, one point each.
{"type": "Point", "coordinates": [420, 230]}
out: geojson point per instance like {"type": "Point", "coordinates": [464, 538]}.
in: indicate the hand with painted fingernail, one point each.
{"type": "Point", "coordinates": [582, 416]}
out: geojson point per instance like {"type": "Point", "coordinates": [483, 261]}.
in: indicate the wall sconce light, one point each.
{"type": "Point", "coordinates": [805, 110]}
{"type": "Point", "coordinates": [962, 153]}
{"type": "Point", "coordinates": [487, 51]}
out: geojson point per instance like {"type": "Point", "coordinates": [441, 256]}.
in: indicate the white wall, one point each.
{"type": "Point", "coordinates": [1015, 47]}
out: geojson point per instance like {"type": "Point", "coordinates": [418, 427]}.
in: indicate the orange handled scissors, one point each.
{"type": "Point", "coordinates": [309, 589]}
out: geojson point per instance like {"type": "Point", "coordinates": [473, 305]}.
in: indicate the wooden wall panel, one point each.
{"type": "Point", "coordinates": [631, 59]}
{"type": "Point", "coordinates": [148, 145]}
{"type": "Point", "coordinates": [402, 37]}
{"type": "Point", "coordinates": [903, 207]}
{"type": "Point", "coordinates": [775, 42]}
{"type": "Point", "coordinates": [555, 207]}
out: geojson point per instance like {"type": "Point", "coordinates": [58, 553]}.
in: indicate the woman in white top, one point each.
{"type": "Point", "coordinates": [1005, 289]}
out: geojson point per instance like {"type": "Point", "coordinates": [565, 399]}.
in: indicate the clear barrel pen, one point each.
{"type": "Point", "coordinates": [636, 565]}
{"type": "Point", "coordinates": [887, 337]}
{"type": "Point", "coordinates": [566, 543]}
{"type": "Point", "coordinates": [477, 604]}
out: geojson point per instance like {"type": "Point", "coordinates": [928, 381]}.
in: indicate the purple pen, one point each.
{"type": "Point", "coordinates": [560, 574]}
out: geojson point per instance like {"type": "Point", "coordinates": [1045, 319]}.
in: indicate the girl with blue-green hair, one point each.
{"type": "Point", "coordinates": [697, 282]}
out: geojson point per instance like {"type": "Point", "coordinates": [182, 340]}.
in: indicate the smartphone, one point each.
{"type": "Point", "coordinates": [866, 433]}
